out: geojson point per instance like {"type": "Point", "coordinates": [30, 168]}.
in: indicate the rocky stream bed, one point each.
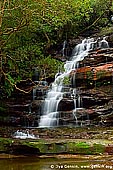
{"type": "Point", "coordinates": [54, 141]}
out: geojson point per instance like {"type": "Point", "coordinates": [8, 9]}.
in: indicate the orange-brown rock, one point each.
{"type": "Point", "coordinates": [94, 73]}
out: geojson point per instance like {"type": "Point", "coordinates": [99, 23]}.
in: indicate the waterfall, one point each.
{"type": "Point", "coordinates": [103, 43]}
{"type": "Point", "coordinates": [55, 94]}
{"type": "Point", "coordinates": [63, 49]}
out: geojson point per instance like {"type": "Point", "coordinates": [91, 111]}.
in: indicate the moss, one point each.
{"type": "Point", "coordinates": [4, 144]}
{"type": "Point", "coordinates": [53, 147]}
{"type": "Point", "coordinates": [5, 141]}
{"type": "Point", "coordinates": [78, 148]}
{"type": "Point", "coordinates": [43, 148]}
{"type": "Point", "coordinates": [60, 147]}
{"type": "Point", "coordinates": [66, 81]}
{"type": "Point", "coordinates": [71, 147]}
{"type": "Point", "coordinates": [83, 148]}
{"type": "Point", "coordinates": [47, 147]}
{"type": "Point", "coordinates": [89, 75]}
{"type": "Point", "coordinates": [101, 74]}
{"type": "Point", "coordinates": [42, 145]}
{"type": "Point", "coordinates": [106, 31]}
{"type": "Point", "coordinates": [98, 148]}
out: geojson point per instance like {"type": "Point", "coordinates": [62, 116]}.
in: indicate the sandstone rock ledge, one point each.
{"type": "Point", "coordinates": [44, 147]}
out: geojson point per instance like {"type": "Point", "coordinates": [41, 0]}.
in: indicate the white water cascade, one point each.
{"type": "Point", "coordinates": [63, 49]}
{"type": "Point", "coordinates": [55, 94]}
{"type": "Point", "coordinates": [24, 135]}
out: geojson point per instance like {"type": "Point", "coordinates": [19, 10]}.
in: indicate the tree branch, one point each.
{"type": "Point", "coordinates": [14, 85]}
{"type": "Point", "coordinates": [92, 23]}
{"type": "Point", "coordinates": [14, 30]}
{"type": "Point", "coordinates": [2, 12]}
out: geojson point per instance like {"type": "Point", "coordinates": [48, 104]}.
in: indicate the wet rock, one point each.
{"type": "Point", "coordinates": [110, 40]}
{"type": "Point", "coordinates": [93, 73]}
{"type": "Point", "coordinates": [56, 147]}
{"type": "Point", "coordinates": [37, 106]}
{"type": "Point", "coordinates": [109, 149]}
{"type": "Point", "coordinates": [66, 105]}
{"type": "Point", "coordinates": [93, 82]}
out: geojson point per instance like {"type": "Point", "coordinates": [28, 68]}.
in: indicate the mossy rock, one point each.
{"type": "Point", "coordinates": [5, 144]}
{"type": "Point", "coordinates": [45, 147]}
{"type": "Point", "coordinates": [98, 148]}
{"type": "Point", "coordinates": [66, 147]}
{"type": "Point", "coordinates": [107, 31]}
{"type": "Point", "coordinates": [41, 145]}
{"type": "Point", "coordinates": [79, 148]}
{"type": "Point", "coordinates": [60, 147]}
{"type": "Point", "coordinates": [50, 147]}
{"type": "Point", "coordinates": [83, 148]}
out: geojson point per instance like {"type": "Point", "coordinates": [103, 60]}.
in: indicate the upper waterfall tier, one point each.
{"type": "Point", "coordinates": [55, 94]}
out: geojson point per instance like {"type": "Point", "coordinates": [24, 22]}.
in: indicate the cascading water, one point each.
{"type": "Point", "coordinates": [63, 49]}
{"type": "Point", "coordinates": [24, 135]}
{"type": "Point", "coordinates": [55, 94]}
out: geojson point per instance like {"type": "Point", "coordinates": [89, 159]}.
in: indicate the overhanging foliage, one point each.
{"type": "Point", "coordinates": [28, 28]}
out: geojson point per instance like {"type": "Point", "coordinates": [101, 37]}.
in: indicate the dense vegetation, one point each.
{"type": "Point", "coordinates": [29, 28]}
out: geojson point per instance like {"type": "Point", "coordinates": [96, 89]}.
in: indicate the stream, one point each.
{"type": "Point", "coordinates": [77, 163]}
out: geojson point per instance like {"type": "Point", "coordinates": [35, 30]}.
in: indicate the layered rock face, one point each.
{"type": "Point", "coordinates": [91, 90]}
{"type": "Point", "coordinates": [88, 99]}
{"type": "Point", "coordinates": [24, 109]}
{"type": "Point", "coordinates": [94, 81]}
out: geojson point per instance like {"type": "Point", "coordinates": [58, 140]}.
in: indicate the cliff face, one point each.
{"type": "Point", "coordinates": [94, 81]}
{"type": "Point", "coordinates": [97, 65]}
